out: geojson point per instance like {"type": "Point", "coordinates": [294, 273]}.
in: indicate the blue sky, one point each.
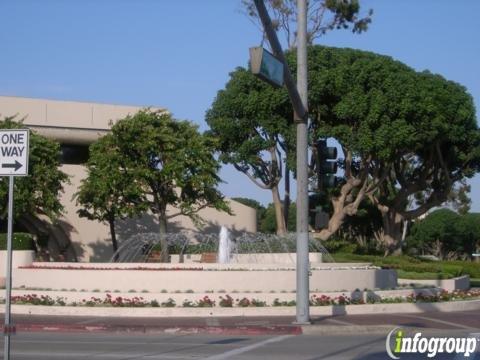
{"type": "Point", "coordinates": [177, 54]}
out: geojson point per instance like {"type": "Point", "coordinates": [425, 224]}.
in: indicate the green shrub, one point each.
{"type": "Point", "coordinates": [423, 275]}
{"type": "Point", "coordinates": [20, 241]}
{"type": "Point", "coordinates": [471, 268]}
{"type": "Point", "coordinates": [340, 246]}
{"type": "Point", "coordinates": [409, 264]}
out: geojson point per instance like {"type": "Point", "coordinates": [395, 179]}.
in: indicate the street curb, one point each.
{"type": "Point", "coordinates": [346, 329]}
{"type": "Point", "coordinates": [314, 329]}
{"type": "Point", "coordinates": [373, 330]}
{"type": "Point", "coordinates": [181, 330]}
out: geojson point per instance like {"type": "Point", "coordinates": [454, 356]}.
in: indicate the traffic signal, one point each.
{"type": "Point", "coordinates": [318, 218]}
{"type": "Point", "coordinates": [325, 169]}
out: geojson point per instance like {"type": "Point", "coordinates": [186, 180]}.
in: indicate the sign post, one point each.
{"type": "Point", "coordinates": [14, 148]}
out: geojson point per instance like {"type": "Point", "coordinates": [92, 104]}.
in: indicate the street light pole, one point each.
{"type": "Point", "coordinates": [303, 291]}
{"type": "Point", "coordinates": [298, 96]}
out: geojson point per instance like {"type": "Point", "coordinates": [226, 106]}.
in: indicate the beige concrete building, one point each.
{"type": "Point", "coordinates": [76, 125]}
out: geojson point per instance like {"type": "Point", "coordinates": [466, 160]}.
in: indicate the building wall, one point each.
{"type": "Point", "coordinates": [70, 122]}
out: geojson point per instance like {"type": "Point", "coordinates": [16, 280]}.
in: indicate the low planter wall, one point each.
{"type": "Point", "coordinates": [458, 283]}
{"type": "Point", "coordinates": [19, 258]}
{"type": "Point", "coordinates": [201, 279]}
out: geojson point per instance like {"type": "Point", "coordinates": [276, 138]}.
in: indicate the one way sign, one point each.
{"type": "Point", "coordinates": [14, 152]}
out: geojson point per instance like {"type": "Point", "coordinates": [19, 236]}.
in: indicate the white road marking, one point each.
{"type": "Point", "coordinates": [460, 326]}
{"type": "Point", "coordinates": [335, 321]}
{"type": "Point", "coordinates": [244, 349]}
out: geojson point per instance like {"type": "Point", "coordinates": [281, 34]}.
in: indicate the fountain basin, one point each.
{"type": "Point", "coordinates": [228, 278]}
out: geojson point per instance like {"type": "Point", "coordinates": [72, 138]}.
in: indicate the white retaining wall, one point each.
{"type": "Point", "coordinates": [458, 283]}
{"type": "Point", "coordinates": [264, 258]}
{"type": "Point", "coordinates": [229, 280]}
{"type": "Point", "coordinates": [19, 258]}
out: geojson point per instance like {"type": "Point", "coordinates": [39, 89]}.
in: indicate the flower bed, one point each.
{"type": "Point", "coordinates": [223, 267]}
{"type": "Point", "coordinates": [228, 301]}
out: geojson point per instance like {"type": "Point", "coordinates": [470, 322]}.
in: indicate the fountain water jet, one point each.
{"type": "Point", "coordinates": [224, 246]}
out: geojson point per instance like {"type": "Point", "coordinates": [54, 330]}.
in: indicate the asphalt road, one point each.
{"type": "Point", "coordinates": [72, 346]}
{"type": "Point", "coordinates": [267, 325]}
{"type": "Point", "coordinates": [329, 337]}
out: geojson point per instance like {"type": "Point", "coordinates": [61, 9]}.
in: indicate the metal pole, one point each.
{"type": "Point", "coordinates": [298, 96]}
{"type": "Point", "coordinates": [303, 291]}
{"type": "Point", "coordinates": [298, 107]}
{"type": "Point", "coordinates": [8, 280]}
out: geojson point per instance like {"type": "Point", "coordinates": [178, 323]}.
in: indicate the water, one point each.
{"type": "Point", "coordinates": [139, 247]}
{"type": "Point", "coordinates": [224, 246]}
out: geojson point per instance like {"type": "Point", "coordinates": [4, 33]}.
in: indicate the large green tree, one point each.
{"type": "Point", "coordinates": [446, 234]}
{"type": "Point", "coordinates": [432, 149]}
{"type": "Point", "coordinates": [404, 134]}
{"type": "Point", "coordinates": [251, 121]}
{"type": "Point", "coordinates": [161, 161]}
{"type": "Point", "coordinates": [468, 229]}
{"type": "Point", "coordinates": [265, 140]}
{"type": "Point", "coordinates": [37, 193]}
{"type": "Point", "coordinates": [108, 193]}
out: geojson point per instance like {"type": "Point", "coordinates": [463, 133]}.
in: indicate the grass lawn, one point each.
{"type": "Point", "coordinates": [414, 268]}
{"type": "Point", "coordinates": [422, 275]}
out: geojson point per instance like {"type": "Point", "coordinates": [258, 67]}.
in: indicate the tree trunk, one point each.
{"type": "Point", "coordinates": [162, 227]}
{"type": "Point", "coordinates": [392, 236]}
{"type": "Point", "coordinates": [335, 222]}
{"type": "Point", "coordinates": [277, 204]}
{"type": "Point", "coordinates": [111, 222]}
{"type": "Point", "coordinates": [286, 201]}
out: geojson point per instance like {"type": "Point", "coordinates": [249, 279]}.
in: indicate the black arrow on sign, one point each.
{"type": "Point", "coordinates": [15, 165]}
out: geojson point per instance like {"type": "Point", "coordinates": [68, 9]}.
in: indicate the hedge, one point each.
{"type": "Point", "coordinates": [20, 241]}
{"type": "Point", "coordinates": [408, 264]}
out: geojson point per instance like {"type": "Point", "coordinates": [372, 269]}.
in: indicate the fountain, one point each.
{"type": "Point", "coordinates": [249, 263]}
{"type": "Point", "coordinates": [224, 246]}
{"type": "Point", "coordinates": [243, 248]}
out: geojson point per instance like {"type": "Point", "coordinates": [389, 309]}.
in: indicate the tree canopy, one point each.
{"type": "Point", "coordinates": [155, 161]}
{"type": "Point", "coordinates": [108, 193]}
{"type": "Point", "coordinates": [323, 16]}
{"type": "Point", "coordinates": [37, 193]}
{"type": "Point", "coordinates": [446, 234]}
{"type": "Point", "coordinates": [404, 134]}
{"type": "Point", "coordinates": [251, 121]}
